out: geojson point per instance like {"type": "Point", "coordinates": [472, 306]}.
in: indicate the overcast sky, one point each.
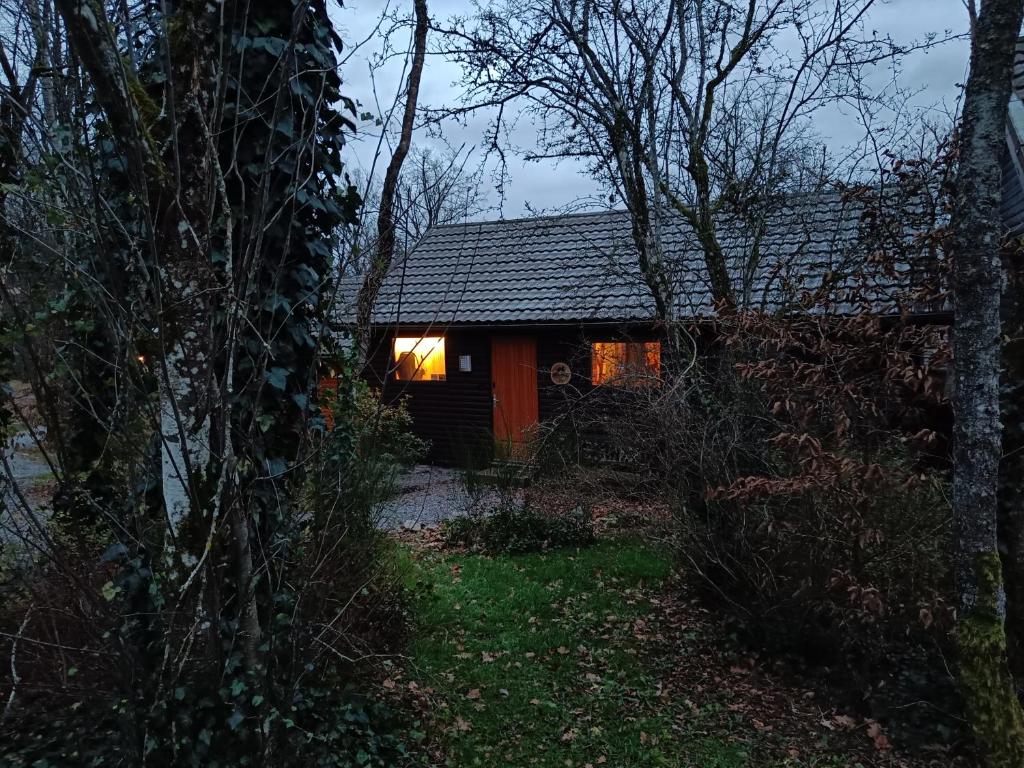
{"type": "Point", "coordinates": [935, 73]}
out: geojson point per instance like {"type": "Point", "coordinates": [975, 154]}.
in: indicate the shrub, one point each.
{"type": "Point", "coordinates": [79, 703]}
{"type": "Point", "coordinates": [94, 634]}
{"type": "Point", "coordinates": [368, 444]}
{"type": "Point", "coordinates": [330, 727]}
{"type": "Point", "coordinates": [824, 573]}
{"type": "Point", "coordinates": [804, 467]}
{"type": "Point", "coordinates": [518, 528]}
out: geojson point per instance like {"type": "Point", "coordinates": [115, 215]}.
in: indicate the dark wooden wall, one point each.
{"type": "Point", "coordinates": [456, 414]}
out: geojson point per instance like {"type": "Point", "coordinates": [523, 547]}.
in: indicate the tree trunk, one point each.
{"type": "Point", "coordinates": [179, 193]}
{"type": "Point", "coordinates": [992, 706]}
{"type": "Point", "coordinates": [385, 250]}
{"type": "Point", "coordinates": [232, 184]}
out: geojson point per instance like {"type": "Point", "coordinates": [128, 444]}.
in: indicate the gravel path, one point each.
{"type": "Point", "coordinates": [25, 460]}
{"type": "Point", "coordinates": [29, 473]}
{"type": "Point", "coordinates": [426, 496]}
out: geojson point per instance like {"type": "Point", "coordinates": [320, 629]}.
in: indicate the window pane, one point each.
{"type": "Point", "coordinates": [419, 359]}
{"type": "Point", "coordinates": [625, 364]}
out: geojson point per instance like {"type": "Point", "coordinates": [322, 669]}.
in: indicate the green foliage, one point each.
{"type": "Point", "coordinates": [330, 727]}
{"type": "Point", "coordinates": [98, 710]}
{"type": "Point", "coordinates": [368, 443]}
{"type": "Point", "coordinates": [345, 731]}
{"type": "Point", "coordinates": [383, 431]}
{"type": "Point", "coordinates": [517, 528]}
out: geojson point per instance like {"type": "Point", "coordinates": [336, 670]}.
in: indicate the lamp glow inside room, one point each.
{"type": "Point", "coordinates": [419, 358]}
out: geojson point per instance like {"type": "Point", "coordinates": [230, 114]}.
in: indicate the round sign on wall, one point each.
{"type": "Point", "coordinates": [561, 373]}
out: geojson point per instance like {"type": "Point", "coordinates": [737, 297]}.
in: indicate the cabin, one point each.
{"type": "Point", "coordinates": [490, 328]}
{"type": "Point", "coordinates": [1013, 157]}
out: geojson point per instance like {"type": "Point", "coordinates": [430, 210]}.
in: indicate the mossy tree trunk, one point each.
{"type": "Point", "coordinates": [987, 685]}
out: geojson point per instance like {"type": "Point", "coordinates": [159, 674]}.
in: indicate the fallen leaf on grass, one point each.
{"type": "Point", "coordinates": [845, 721]}
{"type": "Point", "coordinates": [876, 735]}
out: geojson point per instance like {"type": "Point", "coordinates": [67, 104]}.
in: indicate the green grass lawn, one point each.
{"type": "Point", "coordinates": [537, 660]}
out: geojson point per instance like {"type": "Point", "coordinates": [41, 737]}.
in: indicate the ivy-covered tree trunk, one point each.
{"type": "Point", "coordinates": [170, 170]}
{"type": "Point", "coordinates": [286, 205]}
{"type": "Point", "coordinates": [232, 141]}
{"type": "Point", "coordinates": [990, 699]}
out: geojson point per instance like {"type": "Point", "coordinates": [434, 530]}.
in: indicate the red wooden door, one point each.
{"type": "Point", "coordinates": [514, 386]}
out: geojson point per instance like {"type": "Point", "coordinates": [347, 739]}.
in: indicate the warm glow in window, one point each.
{"type": "Point", "coordinates": [625, 364]}
{"type": "Point", "coordinates": [419, 358]}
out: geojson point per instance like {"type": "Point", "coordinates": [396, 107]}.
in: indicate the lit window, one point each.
{"type": "Point", "coordinates": [625, 364]}
{"type": "Point", "coordinates": [419, 358]}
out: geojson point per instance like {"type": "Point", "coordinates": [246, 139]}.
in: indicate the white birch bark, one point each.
{"type": "Point", "coordinates": [184, 429]}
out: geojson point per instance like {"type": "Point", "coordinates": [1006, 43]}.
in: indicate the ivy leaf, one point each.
{"type": "Point", "coordinates": [285, 126]}
{"type": "Point", "coordinates": [235, 720]}
{"type": "Point", "coordinates": [109, 591]}
{"type": "Point", "coordinates": [277, 377]}
{"type": "Point", "coordinates": [114, 552]}
{"type": "Point", "coordinates": [272, 45]}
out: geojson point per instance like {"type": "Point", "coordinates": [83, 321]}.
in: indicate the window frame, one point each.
{"type": "Point", "coordinates": [395, 367]}
{"type": "Point", "coordinates": [648, 377]}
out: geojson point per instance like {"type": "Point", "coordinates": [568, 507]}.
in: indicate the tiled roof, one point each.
{"type": "Point", "coordinates": [583, 267]}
